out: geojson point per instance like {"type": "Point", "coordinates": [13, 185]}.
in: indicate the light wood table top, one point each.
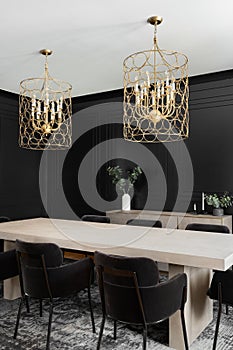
{"type": "Point", "coordinates": [192, 252]}
{"type": "Point", "coordinates": [190, 248]}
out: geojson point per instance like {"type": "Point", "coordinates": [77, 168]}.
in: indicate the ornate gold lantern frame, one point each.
{"type": "Point", "coordinates": [45, 111]}
{"type": "Point", "coordinates": [156, 94]}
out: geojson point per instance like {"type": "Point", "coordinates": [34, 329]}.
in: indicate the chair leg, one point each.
{"type": "Point", "coordinates": [219, 316]}
{"type": "Point", "coordinates": [115, 329]}
{"type": "Point", "coordinates": [227, 309]}
{"type": "Point", "coordinates": [184, 330]}
{"type": "Point", "coordinates": [101, 332]}
{"type": "Point", "coordinates": [91, 311]}
{"type": "Point", "coordinates": [49, 325]}
{"type": "Point", "coordinates": [144, 337]}
{"type": "Point", "coordinates": [41, 307]}
{"type": "Point", "coordinates": [18, 318]}
{"type": "Point", "coordinates": [27, 304]}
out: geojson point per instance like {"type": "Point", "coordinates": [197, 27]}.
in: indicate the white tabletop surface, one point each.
{"type": "Point", "coordinates": [189, 248]}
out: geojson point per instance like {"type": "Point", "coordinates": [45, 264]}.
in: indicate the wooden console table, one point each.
{"type": "Point", "coordinates": [169, 219]}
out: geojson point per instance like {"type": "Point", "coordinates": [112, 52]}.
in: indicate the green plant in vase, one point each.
{"type": "Point", "coordinates": [219, 202]}
{"type": "Point", "coordinates": [124, 184]}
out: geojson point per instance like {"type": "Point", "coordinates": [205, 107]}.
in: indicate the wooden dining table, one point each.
{"type": "Point", "coordinates": [195, 253]}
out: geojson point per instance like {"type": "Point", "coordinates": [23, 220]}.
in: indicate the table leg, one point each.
{"type": "Point", "coordinates": [11, 287]}
{"type": "Point", "coordinates": [198, 308]}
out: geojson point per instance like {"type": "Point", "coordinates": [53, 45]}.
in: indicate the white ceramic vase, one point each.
{"type": "Point", "coordinates": [126, 202]}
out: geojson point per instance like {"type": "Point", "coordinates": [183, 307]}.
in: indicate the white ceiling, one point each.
{"type": "Point", "coordinates": [91, 38]}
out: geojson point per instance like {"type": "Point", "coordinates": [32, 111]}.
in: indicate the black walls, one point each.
{"type": "Point", "coordinates": [208, 150]}
{"type": "Point", "coordinates": [19, 168]}
{"type": "Point", "coordinates": [211, 132]}
{"type": "Point", "coordinates": [76, 182]}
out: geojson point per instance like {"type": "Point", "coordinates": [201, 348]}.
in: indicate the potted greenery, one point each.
{"type": "Point", "coordinates": [219, 202]}
{"type": "Point", "coordinates": [124, 184]}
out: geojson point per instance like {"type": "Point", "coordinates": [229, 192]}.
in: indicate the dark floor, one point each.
{"type": "Point", "coordinates": [71, 328]}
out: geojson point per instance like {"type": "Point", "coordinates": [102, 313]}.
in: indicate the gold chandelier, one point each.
{"type": "Point", "coordinates": [156, 94]}
{"type": "Point", "coordinates": [45, 112]}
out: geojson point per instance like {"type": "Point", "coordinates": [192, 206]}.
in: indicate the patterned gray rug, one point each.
{"type": "Point", "coordinates": [71, 328]}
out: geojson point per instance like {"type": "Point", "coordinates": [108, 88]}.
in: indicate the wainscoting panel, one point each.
{"type": "Point", "coordinates": [19, 168]}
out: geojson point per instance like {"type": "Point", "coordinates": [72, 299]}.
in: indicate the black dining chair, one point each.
{"type": "Point", "coordinates": [8, 265]}
{"type": "Point", "coordinates": [96, 218]}
{"type": "Point", "coordinates": [146, 223]}
{"type": "Point", "coordinates": [131, 293]}
{"type": "Point", "coordinates": [208, 228]}
{"type": "Point", "coordinates": [43, 276]}
{"type": "Point", "coordinates": [221, 289]}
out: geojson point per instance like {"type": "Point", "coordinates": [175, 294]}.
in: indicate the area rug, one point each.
{"type": "Point", "coordinates": [71, 328]}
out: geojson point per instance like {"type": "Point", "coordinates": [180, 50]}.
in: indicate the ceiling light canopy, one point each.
{"type": "Point", "coordinates": [45, 112]}
{"type": "Point", "coordinates": [156, 94]}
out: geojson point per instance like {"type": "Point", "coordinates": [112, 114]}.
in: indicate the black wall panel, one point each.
{"type": "Point", "coordinates": [209, 149]}
{"type": "Point", "coordinates": [209, 146]}
{"type": "Point", "coordinates": [19, 168]}
{"type": "Point", "coordinates": [211, 135]}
